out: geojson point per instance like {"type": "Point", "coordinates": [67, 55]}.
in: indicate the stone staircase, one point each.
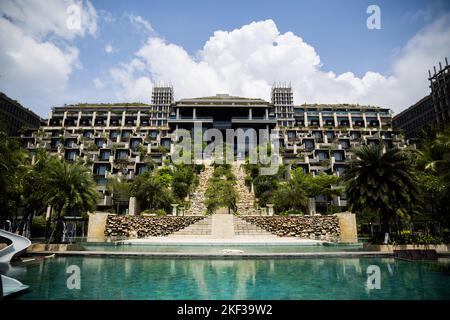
{"type": "Point", "coordinates": [246, 199]}
{"type": "Point", "coordinates": [200, 228]}
{"type": "Point", "coordinates": [244, 228]}
{"type": "Point", "coordinates": [198, 197]}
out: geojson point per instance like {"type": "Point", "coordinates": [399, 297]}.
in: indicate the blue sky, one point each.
{"type": "Point", "coordinates": [367, 66]}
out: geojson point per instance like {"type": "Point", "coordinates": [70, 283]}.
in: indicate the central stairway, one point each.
{"type": "Point", "coordinates": [246, 199]}
{"type": "Point", "coordinates": [198, 197]}
{"type": "Point", "coordinates": [200, 228]}
{"type": "Point", "coordinates": [222, 226]}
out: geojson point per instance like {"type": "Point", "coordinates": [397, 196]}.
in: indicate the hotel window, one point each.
{"type": "Point", "coordinates": [121, 154]}
{"type": "Point", "coordinates": [322, 155]}
{"type": "Point", "coordinates": [345, 144]}
{"type": "Point", "coordinates": [113, 134]}
{"type": "Point", "coordinates": [70, 155]}
{"type": "Point", "coordinates": [338, 156]}
{"type": "Point", "coordinates": [330, 135]}
{"type": "Point", "coordinates": [101, 170]}
{"type": "Point", "coordinates": [104, 155]}
{"type": "Point", "coordinates": [309, 145]}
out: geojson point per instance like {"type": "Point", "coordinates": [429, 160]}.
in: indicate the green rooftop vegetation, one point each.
{"type": "Point", "coordinates": [118, 104]}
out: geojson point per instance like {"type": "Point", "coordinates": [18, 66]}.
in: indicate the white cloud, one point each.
{"type": "Point", "coordinates": [37, 57]}
{"type": "Point", "coordinates": [140, 22]}
{"type": "Point", "coordinates": [99, 84]}
{"type": "Point", "coordinates": [247, 61]}
{"type": "Point", "coordinates": [42, 18]}
{"type": "Point", "coordinates": [109, 48]}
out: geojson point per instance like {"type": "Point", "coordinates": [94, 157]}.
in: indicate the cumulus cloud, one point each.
{"type": "Point", "coordinates": [42, 18]}
{"type": "Point", "coordinates": [248, 60]}
{"type": "Point", "coordinates": [37, 57]}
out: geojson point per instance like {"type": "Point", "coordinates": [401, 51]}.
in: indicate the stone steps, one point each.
{"type": "Point", "coordinates": [246, 199]}
{"type": "Point", "coordinates": [202, 227]}
{"type": "Point", "coordinates": [198, 197]}
{"type": "Point", "coordinates": [244, 228]}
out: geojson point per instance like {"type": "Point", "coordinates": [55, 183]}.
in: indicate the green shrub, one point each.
{"type": "Point", "coordinates": [158, 212]}
{"type": "Point", "coordinates": [38, 226]}
{"type": "Point", "coordinates": [199, 168]}
{"type": "Point", "coordinates": [291, 212]}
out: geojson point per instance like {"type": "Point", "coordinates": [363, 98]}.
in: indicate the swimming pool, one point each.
{"type": "Point", "coordinates": [218, 248]}
{"type": "Point", "coordinates": [152, 278]}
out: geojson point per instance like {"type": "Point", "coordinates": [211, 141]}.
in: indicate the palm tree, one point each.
{"type": "Point", "coordinates": [69, 187]}
{"type": "Point", "coordinates": [151, 192]}
{"type": "Point", "coordinates": [380, 181]}
{"type": "Point", "coordinates": [434, 156]}
{"type": "Point", "coordinates": [120, 191]}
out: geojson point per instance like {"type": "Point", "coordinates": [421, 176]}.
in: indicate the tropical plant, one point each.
{"type": "Point", "coordinates": [69, 187]}
{"type": "Point", "coordinates": [120, 191]}
{"type": "Point", "coordinates": [151, 192]}
{"type": "Point", "coordinates": [380, 181]}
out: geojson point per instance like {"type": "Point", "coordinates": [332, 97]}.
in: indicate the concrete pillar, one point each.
{"type": "Point", "coordinates": [79, 118]}
{"type": "Point", "coordinates": [312, 206]}
{"type": "Point", "coordinates": [96, 226]}
{"type": "Point", "coordinates": [132, 206]}
{"type": "Point", "coordinates": [174, 209]}
{"type": "Point", "coordinates": [347, 227]}
{"type": "Point", "coordinates": [123, 118]}
{"type": "Point", "coordinates": [306, 119]}
{"type": "Point", "coordinates": [194, 113]}
{"type": "Point", "coordinates": [267, 114]}
{"type": "Point", "coordinates": [181, 211]}
{"type": "Point", "coordinates": [350, 120]}
{"type": "Point", "coordinates": [270, 209]}
{"type": "Point", "coordinates": [48, 213]}
{"type": "Point", "coordinates": [250, 114]}
{"type": "Point", "coordinates": [178, 113]}
{"type": "Point", "coordinates": [138, 120]}
{"type": "Point", "coordinates": [108, 119]}
{"type": "Point", "coordinates": [365, 120]}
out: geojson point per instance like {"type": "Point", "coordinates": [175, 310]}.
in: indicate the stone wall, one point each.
{"type": "Point", "coordinates": [306, 227]}
{"type": "Point", "coordinates": [146, 226]}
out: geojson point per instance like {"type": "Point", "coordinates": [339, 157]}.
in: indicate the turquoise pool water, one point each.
{"type": "Point", "coordinates": [218, 248]}
{"type": "Point", "coordinates": [147, 278]}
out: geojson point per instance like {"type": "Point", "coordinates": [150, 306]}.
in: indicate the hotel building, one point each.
{"type": "Point", "coordinates": [125, 140]}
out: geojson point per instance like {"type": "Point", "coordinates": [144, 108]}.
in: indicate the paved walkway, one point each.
{"type": "Point", "coordinates": [222, 226]}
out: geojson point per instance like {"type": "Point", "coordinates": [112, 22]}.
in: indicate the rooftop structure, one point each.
{"type": "Point", "coordinates": [15, 117]}
{"type": "Point", "coordinates": [440, 92]}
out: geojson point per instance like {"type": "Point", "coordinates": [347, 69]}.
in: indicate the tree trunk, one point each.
{"type": "Point", "coordinates": [59, 229]}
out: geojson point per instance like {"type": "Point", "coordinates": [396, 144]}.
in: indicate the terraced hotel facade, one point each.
{"type": "Point", "coordinates": [125, 140]}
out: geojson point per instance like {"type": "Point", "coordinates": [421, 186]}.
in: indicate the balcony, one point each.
{"type": "Point", "coordinates": [270, 120]}
{"type": "Point", "coordinates": [187, 119]}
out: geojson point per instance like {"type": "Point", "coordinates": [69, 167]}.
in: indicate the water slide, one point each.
{"type": "Point", "coordinates": [18, 245]}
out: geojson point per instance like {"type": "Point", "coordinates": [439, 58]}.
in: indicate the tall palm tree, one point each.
{"type": "Point", "coordinates": [120, 191]}
{"type": "Point", "coordinates": [434, 156]}
{"type": "Point", "coordinates": [69, 186]}
{"type": "Point", "coordinates": [380, 181]}
{"type": "Point", "coordinates": [151, 192]}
